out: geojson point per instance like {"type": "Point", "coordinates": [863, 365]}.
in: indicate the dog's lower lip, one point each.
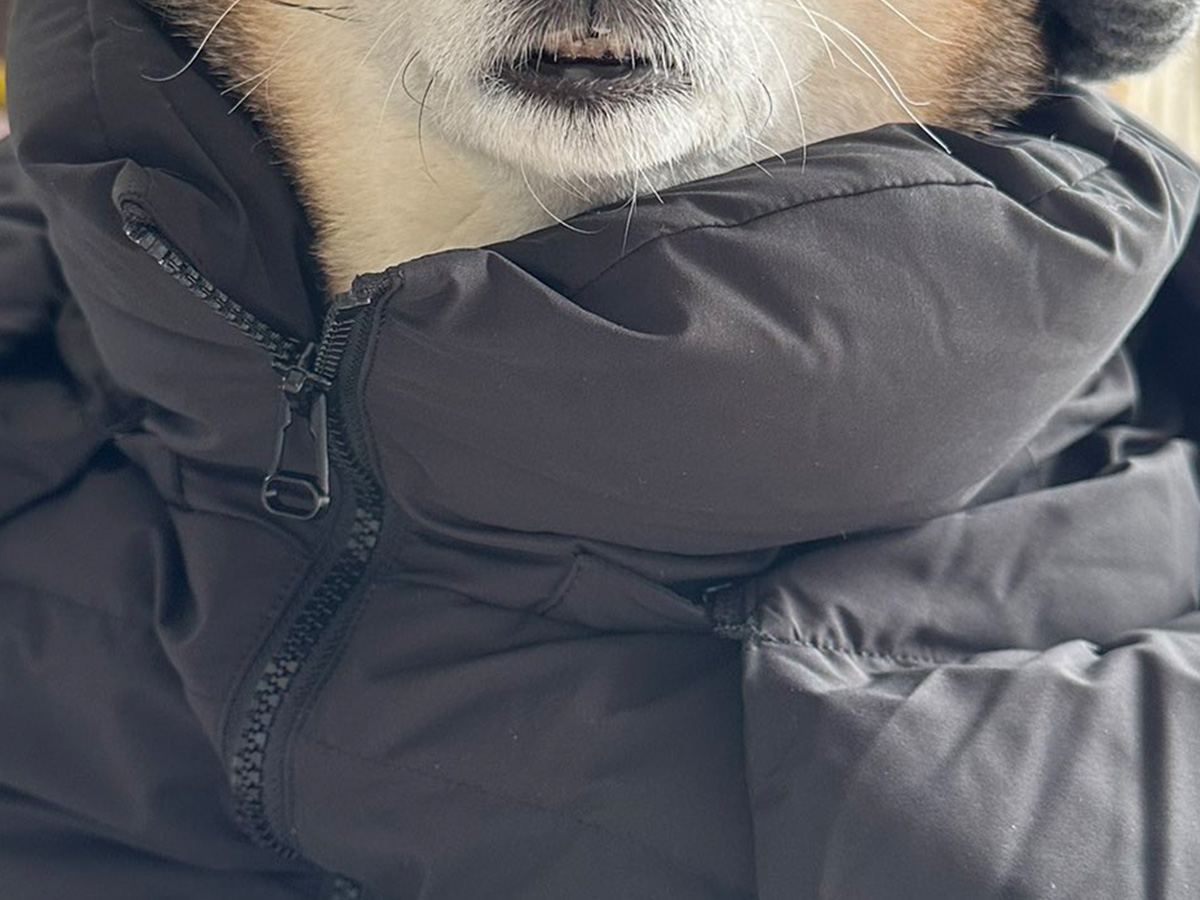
{"type": "Point", "coordinates": [582, 84]}
{"type": "Point", "coordinates": [580, 69]}
{"type": "Point", "coordinates": [575, 78]}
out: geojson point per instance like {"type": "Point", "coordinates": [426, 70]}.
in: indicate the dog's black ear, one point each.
{"type": "Point", "coordinates": [1101, 39]}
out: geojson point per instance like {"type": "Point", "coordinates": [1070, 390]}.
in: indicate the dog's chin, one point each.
{"type": "Point", "coordinates": [602, 142]}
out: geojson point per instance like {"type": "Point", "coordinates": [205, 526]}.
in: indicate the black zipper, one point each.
{"type": "Point", "coordinates": [317, 435]}
{"type": "Point", "coordinates": [140, 229]}
{"type": "Point", "coordinates": [315, 395]}
{"type": "Point", "coordinates": [297, 484]}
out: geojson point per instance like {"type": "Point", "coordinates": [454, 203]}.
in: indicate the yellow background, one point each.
{"type": "Point", "coordinates": [1169, 97]}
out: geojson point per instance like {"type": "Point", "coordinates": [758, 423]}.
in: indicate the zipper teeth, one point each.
{"type": "Point", "coordinates": [333, 346]}
{"type": "Point", "coordinates": [285, 350]}
{"type": "Point", "coordinates": [340, 319]}
{"type": "Point", "coordinates": [247, 764]}
{"type": "Point", "coordinates": [269, 692]}
{"type": "Point", "coordinates": [280, 673]}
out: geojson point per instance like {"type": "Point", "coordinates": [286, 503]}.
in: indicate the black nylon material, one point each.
{"type": "Point", "coordinates": [823, 538]}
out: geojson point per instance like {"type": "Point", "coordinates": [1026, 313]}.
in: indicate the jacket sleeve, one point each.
{"type": "Point", "coordinates": [108, 786]}
{"type": "Point", "coordinates": [31, 290]}
{"type": "Point", "coordinates": [50, 422]}
{"type": "Point", "coordinates": [1004, 702]}
{"type": "Point", "coordinates": [1068, 772]}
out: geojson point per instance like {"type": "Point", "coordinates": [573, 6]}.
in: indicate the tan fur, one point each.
{"type": "Point", "coordinates": [376, 197]}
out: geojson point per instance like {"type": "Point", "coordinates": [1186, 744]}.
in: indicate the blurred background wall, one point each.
{"type": "Point", "coordinates": [1169, 97]}
{"type": "Point", "coordinates": [5, 11]}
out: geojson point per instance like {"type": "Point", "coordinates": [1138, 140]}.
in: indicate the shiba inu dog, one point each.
{"type": "Point", "coordinates": [412, 126]}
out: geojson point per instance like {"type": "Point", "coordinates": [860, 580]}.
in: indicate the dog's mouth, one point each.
{"type": "Point", "coordinates": [589, 70]}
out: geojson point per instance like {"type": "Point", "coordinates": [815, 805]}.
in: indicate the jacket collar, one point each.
{"type": "Point", "coordinates": [768, 357]}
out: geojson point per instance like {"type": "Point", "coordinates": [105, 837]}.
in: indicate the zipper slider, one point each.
{"type": "Point", "coordinates": [297, 484]}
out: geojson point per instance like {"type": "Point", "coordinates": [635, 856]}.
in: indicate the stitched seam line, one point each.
{"type": "Point", "coordinates": [830, 648]}
{"type": "Point", "coordinates": [737, 615]}
{"type": "Point", "coordinates": [811, 201]}
{"type": "Point", "coordinates": [750, 630]}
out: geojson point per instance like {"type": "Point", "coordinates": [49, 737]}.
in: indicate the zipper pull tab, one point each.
{"type": "Point", "coordinates": [297, 484]}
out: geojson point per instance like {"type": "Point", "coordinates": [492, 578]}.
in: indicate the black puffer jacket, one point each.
{"type": "Point", "coordinates": [832, 539]}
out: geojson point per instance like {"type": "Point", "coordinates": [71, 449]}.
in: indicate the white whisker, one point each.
{"type": "Point", "coordinates": [795, 96]}
{"type": "Point", "coordinates": [383, 33]}
{"type": "Point", "coordinates": [883, 76]}
{"type": "Point", "coordinates": [278, 60]}
{"type": "Point", "coordinates": [387, 98]}
{"type": "Point", "coordinates": [825, 39]}
{"type": "Point", "coordinates": [888, 79]}
{"type": "Point", "coordinates": [545, 208]}
{"type": "Point", "coordinates": [917, 28]}
{"type": "Point", "coordinates": [771, 151]}
{"type": "Point", "coordinates": [629, 218]}
{"type": "Point", "coordinates": [199, 49]}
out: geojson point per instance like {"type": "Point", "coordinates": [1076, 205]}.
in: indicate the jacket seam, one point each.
{"type": "Point", "coordinates": [749, 630]}
{"type": "Point", "coordinates": [1030, 202]}
{"type": "Point", "coordinates": [831, 648]}
{"type": "Point", "coordinates": [472, 787]}
{"type": "Point", "coordinates": [811, 201]}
